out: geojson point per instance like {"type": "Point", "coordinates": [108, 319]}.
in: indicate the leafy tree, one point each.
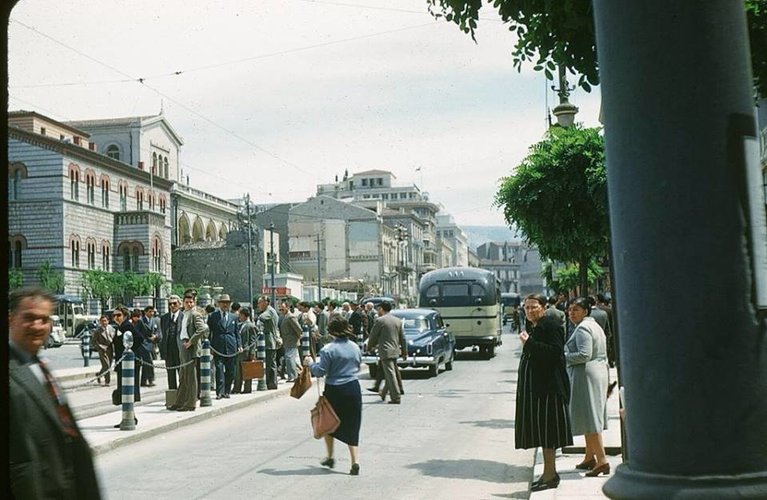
{"type": "Point", "coordinates": [49, 278]}
{"type": "Point", "coordinates": [180, 288]}
{"type": "Point", "coordinates": [15, 278]}
{"type": "Point", "coordinates": [567, 278]}
{"type": "Point", "coordinates": [557, 197]}
{"type": "Point", "coordinates": [552, 33]}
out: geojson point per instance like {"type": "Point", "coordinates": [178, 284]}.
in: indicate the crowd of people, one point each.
{"type": "Point", "coordinates": [563, 382]}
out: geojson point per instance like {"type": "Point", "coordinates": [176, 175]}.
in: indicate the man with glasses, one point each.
{"type": "Point", "coordinates": [48, 455]}
{"type": "Point", "coordinates": [121, 316]}
{"type": "Point", "coordinates": [170, 326]}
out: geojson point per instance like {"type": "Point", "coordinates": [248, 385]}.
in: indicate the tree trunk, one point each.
{"type": "Point", "coordinates": [583, 276]}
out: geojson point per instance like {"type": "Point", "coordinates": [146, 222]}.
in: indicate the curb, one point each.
{"type": "Point", "coordinates": [137, 435]}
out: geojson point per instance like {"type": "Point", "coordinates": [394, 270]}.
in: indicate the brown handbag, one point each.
{"type": "Point", "coordinates": [324, 418]}
{"type": "Point", "coordinates": [302, 384]}
{"type": "Point", "coordinates": [252, 369]}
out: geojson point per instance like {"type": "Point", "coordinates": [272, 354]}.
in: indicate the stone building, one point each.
{"type": "Point", "coordinates": [79, 209]}
{"type": "Point", "coordinates": [517, 264]}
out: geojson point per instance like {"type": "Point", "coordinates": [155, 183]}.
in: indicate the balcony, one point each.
{"type": "Point", "coordinates": [139, 218]}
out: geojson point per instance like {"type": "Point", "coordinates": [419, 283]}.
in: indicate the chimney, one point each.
{"type": "Point", "coordinates": [141, 165]}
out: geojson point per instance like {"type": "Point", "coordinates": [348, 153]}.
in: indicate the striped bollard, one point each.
{"type": "Point", "coordinates": [205, 375]}
{"type": "Point", "coordinates": [128, 422]}
{"type": "Point", "coordinates": [305, 350]}
{"type": "Point", "coordinates": [261, 355]}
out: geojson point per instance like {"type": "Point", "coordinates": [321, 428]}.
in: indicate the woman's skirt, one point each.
{"type": "Point", "coordinates": [346, 400]}
{"type": "Point", "coordinates": [540, 420]}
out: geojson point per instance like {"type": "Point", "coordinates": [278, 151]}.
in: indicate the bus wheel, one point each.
{"type": "Point", "coordinates": [434, 369]}
{"type": "Point", "coordinates": [490, 352]}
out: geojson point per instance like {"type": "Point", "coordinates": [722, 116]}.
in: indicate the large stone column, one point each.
{"type": "Point", "coordinates": [680, 136]}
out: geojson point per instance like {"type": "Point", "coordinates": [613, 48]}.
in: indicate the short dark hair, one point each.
{"type": "Point", "coordinates": [304, 303]}
{"type": "Point", "coordinates": [245, 311]}
{"type": "Point", "coordinates": [29, 292]}
{"type": "Point", "coordinates": [552, 300]}
{"type": "Point", "coordinates": [602, 298]}
{"type": "Point", "coordinates": [149, 308]}
{"type": "Point", "coordinates": [235, 306]}
{"type": "Point", "coordinates": [209, 309]}
{"type": "Point", "coordinates": [265, 298]}
{"type": "Point", "coordinates": [135, 313]}
{"type": "Point", "coordinates": [340, 327]}
{"type": "Point", "coordinates": [385, 305]}
{"type": "Point", "coordinates": [189, 295]}
{"type": "Point", "coordinates": [540, 298]}
{"type": "Point", "coordinates": [582, 302]}
{"type": "Point", "coordinates": [192, 291]}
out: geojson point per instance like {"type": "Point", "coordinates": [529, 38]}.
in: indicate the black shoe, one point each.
{"type": "Point", "coordinates": [135, 422]}
{"type": "Point", "coordinates": [328, 462]}
{"type": "Point", "coordinates": [372, 389]}
{"type": "Point", "coordinates": [219, 396]}
{"type": "Point", "coordinates": [226, 396]}
{"type": "Point", "coordinates": [355, 470]}
{"type": "Point", "coordinates": [541, 485]}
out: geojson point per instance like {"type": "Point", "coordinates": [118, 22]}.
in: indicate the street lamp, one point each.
{"type": "Point", "coordinates": [271, 252]}
{"type": "Point", "coordinates": [564, 111]}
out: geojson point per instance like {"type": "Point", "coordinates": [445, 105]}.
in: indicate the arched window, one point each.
{"type": "Point", "coordinates": [139, 199]}
{"type": "Point", "coordinates": [90, 187]}
{"type": "Point", "coordinates": [123, 196]}
{"type": "Point", "coordinates": [15, 175]}
{"type": "Point", "coordinates": [126, 258]}
{"type": "Point", "coordinates": [17, 251]}
{"type": "Point", "coordinates": [105, 255]}
{"type": "Point", "coordinates": [74, 248]}
{"type": "Point", "coordinates": [90, 246]}
{"type": "Point", "coordinates": [154, 163]}
{"type": "Point", "coordinates": [74, 185]}
{"type": "Point", "coordinates": [134, 258]}
{"type": "Point", "coordinates": [156, 254]}
{"type": "Point", "coordinates": [104, 191]}
{"type": "Point", "coordinates": [165, 167]}
{"type": "Point", "coordinates": [151, 200]}
{"type": "Point", "coordinates": [113, 151]}
{"type": "Point", "coordinates": [162, 203]}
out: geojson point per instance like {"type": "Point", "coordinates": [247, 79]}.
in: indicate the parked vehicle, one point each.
{"type": "Point", "coordinates": [74, 319]}
{"type": "Point", "coordinates": [56, 337]}
{"type": "Point", "coordinates": [469, 300]}
{"type": "Point", "coordinates": [510, 302]}
{"type": "Point", "coordinates": [377, 301]}
{"type": "Point", "coordinates": [429, 343]}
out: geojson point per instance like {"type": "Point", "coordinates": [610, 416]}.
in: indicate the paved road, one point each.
{"type": "Point", "coordinates": [451, 438]}
{"type": "Point", "coordinates": [69, 355]}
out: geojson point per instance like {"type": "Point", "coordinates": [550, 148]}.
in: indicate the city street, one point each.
{"type": "Point", "coordinates": [450, 438]}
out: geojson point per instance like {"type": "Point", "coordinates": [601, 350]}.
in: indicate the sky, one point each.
{"type": "Point", "coordinates": [277, 96]}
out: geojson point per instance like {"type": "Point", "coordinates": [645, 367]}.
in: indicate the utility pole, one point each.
{"type": "Point", "coordinates": [319, 271]}
{"type": "Point", "coordinates": [271, 252]}
{"type": "Point", "coordinates": [250, 250]}
{"type": "Point", "coordinates": [681, 147]}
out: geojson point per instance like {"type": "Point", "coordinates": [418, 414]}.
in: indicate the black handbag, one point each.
{"type": "Point", "coordinates": [116, 398]}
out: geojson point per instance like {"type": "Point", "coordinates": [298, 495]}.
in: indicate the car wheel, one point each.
{"type": "Point", "coordinates": [373, 370]}
{"type": "Point", "coordinates": [449, 363]}
{"type": "Point", "coordinates": [434, 369]}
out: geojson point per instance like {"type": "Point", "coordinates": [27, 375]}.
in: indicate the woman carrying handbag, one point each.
{"type": "Point", "coordinates": [339, 363]}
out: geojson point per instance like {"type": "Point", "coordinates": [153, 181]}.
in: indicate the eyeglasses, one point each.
{"type": "Point", "coordinates": [172, 303]}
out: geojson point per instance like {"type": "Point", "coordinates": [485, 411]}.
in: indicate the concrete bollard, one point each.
{"type": "Point", "coordinates": [261, 355]}
{"type": "Point", "coordinates": [305, 350]}
{"type": "Point", "coordinates": [85, 347]}
{"type": "Point", "coordinates": [128, 422]}
{"type": "Point", "coordinates": [205, 375]}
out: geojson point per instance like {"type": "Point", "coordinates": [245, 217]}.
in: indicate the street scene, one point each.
{"type": "Point", "coordinates": [381, 248]}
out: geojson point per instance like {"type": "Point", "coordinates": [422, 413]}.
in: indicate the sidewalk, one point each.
{"type": "Point", "coordinates": [96, 415]}
{"type": "Point", "coordinates": [574, 484]}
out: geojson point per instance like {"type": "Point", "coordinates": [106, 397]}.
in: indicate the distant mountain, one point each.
{"type": "Point", "coordinates": [483, 234]}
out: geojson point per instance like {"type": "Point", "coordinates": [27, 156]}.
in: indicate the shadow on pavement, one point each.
{"type": "Point", "coordinates": [308, 471]}
{"type": "Point", "coordinates": [483, 470]}
{"type": "Point", "coordinates": [516, 494]}
{"type": "Point", "coordinates": [495, 423]}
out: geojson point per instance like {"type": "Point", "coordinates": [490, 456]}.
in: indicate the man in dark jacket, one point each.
{"type": "Point", "coordinates": [226, 344]}
{"type": "Point", "coordinates": [170, 327]}
{"type": "Point", "coordinates": [48, 455]}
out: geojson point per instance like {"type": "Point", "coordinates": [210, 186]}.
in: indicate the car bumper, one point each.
{"type": "Point", "coordinates": [411, 361]}
{"type": "Point", "coordinates": [467, 341]}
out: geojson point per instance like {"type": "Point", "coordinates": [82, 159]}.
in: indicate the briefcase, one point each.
{"type": "Point", "coordinates": [252, 369]}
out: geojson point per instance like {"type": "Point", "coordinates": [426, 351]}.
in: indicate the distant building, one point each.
{"type": "Point", "coordinates": [449, 232]}
{"type": "Point", "coordinates": [516, 264]}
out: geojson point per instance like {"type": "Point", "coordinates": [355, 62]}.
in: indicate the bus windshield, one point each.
{"type": "Point", "coordinates": [450, 294]}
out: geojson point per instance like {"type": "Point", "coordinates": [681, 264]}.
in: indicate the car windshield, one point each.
{"type": "Point", "coordinates": [414, 325]}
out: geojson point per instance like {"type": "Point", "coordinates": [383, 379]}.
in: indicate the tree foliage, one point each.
{"type": "Point", "coordinates": [568, 277]}
{"type": "Point", "coordinates": [49, 278]}
{"type": "Point", "coordinates": [103, 284]}
{"type": "Point", "coordinates": [15, 278]}
{"type": "Point", "coordinates": [553, 33]}
{"type": "Point", "coordinates": [557, 197]}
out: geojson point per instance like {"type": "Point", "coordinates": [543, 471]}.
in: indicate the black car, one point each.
{"type": "Point", "coordinates": [429, 343]}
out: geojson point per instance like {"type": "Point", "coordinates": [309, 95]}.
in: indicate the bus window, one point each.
{"type": "Point", "coordinates": [455, 290]}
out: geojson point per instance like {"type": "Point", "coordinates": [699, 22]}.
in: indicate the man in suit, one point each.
{"type": "Point", "coordinates": [269, 319]}
{"type": "Point", "coordinates": [48, 455]}
{"type": "Point", "coordinates": [193, 331]}
{"type": "Point", "coordinates": [322, 335]}
{"type": "Point", "coordinates": [553, 311]}
{"type": "Point", "coordinates": [170, 326]}
{"type": "Point", "coordinates": [225, 343]}
{"type": "Point", "coordinates": [611, 331]}
{"type": "Point", "coordinates": [126, 323]}
{"type": "Point", "coordinates": [248, 337]}
{"type": "Point", "coordinates": [290, 331]}
{"type": "Point", "coordinates": [150, 331]}
{"type": "Point", "coordinates": [357, 320]}
{"type": "Point", "coordinates": [388, 337]}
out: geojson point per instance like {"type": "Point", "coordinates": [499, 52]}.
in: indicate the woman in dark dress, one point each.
{"type": "Point", "coordinates": [339, 363]}
{"type": "Point", "coordinates": [543, 390]}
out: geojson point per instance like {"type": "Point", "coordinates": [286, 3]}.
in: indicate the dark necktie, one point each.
{"type": "Point", "coordinates": [61, 409]}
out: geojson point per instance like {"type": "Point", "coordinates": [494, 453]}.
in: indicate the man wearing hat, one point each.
{"type": "Point", "coordinates": [225, 343]}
